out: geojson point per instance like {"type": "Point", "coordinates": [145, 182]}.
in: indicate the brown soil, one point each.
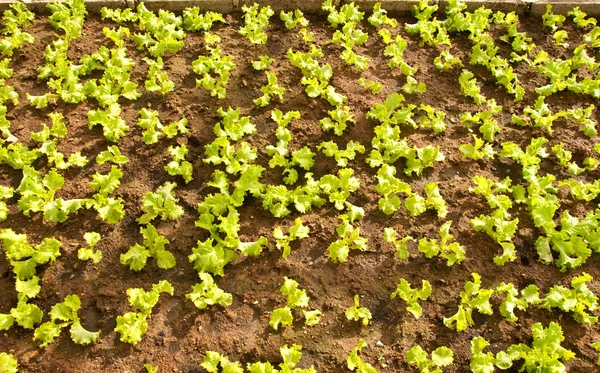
{"type": "Point", "coordinates": [179, 334]}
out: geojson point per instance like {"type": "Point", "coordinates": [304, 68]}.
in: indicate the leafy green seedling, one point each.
{"type": "Point", "coordinates": [412, 296]}
{"type": "Point", "coordinates": [453, 252]}
{"type": "Point", "coordinates": [545, 353]}
{"type": "Point", "coordinates": [473, 297]}
{"type": "Point", "coordinates": [111, 154]}
{"type": "Point", "coordinates": [207, 293]}
{"type": "Point", "coordinates": [194, 21]}
{"type": "Point", "coordinates": [354, 362]}
{"type": "Point", "coordinates": [8, 363]}
{"type": "Point", "coordinates": [87, 253]}
{"type": "Point", "coordinates": [160, 203]}
{"type": "Point", "coordinates": [298, 231]}
{"type": "Point", "coordinates": [579, 300]}
{"type": "Point", "coordinates": [331, 149]}
{"type": "Point", "coordinates": [132, 326]}
{"type": "Point", "coordinates": [66, 313]}
{"type": "Point", "coordinates": [154, 247]}
{"type": "Point", "coordinates": [356, 312]}
{"type": "Point", "coordinates": [255, 21]}
{"type": "Point", "coordinates": [179, 166]}
{"type": "Point", "coordinates": [155, 130]}
{"type": "Point", "coordinates": [440, 357]}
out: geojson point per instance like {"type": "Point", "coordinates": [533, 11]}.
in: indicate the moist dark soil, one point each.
{"type": "Point", "coordinates": [179, 334]}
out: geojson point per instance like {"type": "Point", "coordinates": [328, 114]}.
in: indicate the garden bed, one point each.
{"type": "Point", "coordinates": [179, 334]}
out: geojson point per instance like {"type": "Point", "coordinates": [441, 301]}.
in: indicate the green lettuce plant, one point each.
{"type": "Point", "coordinates": [62, 315]}
{"type": "Point", "coordinates": [87, 253]}
{"type": "Point", "coordinates": [153, 247]}
{"type": "Point", "coordinates": [207, 293]}
{"type": "Point", "coordinates": [473, 297]}
{"type": "Point", "coordinates": [440, 357]}
{"type": "Point", "coordinates": [355, 362]}
{"type": "Point", "coordinates": [411, 296]}
{"type": "Point", "coordinates": [356, 312]}
{"type": "Point", "coordinates": [132, 326]}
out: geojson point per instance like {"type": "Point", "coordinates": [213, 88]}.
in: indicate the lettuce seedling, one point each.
{"type": "Point", "coordinates": [5, 193]}
{"type": "Point", "coordinates": [25, 258]}
{"type": "Point", "coordinates": [213, 360]}
{"type": "Point", "coordinates": [579, 300]}
{"type": "Point", "coordinates": [356, 312]}
{"type": "Point", "coordinates": [473, 297]}
{"type": "Point", "coordinates": [179, 166]}
{"type": "Point", "coordinates": [111, 154]}
{"type": "Point", "coordinates": [379, 17]}
{"type": "Point", "coordinates": [354, 362]}
{"type": "Point", "coordinates": [579, 18]}
{"type": "Point", "coordinates": [113, 125]}
{"type": "Point", "coordinates": [346, 13]}
{"type": "Point", "coordinates": [337, 120]}
{"type": "Point", "coordinates": [412, 87]}
{"type": "Point", "coordinates": [395, 51]}
{"type": "Point", "coordinates": [316, 77]}
{"type": "Point", "coordinates": [207, 293]}
{"type": "Point", "coordinates": [132, 326]}
{"type": "Point", "coordinates": [551, 20]}
{"type": "Point", "coordinates": [431, 31]}
{"type": "Point", "coordinates": [488, 126]}
{"type": "Point", "coordinates": [163, 32]}
{"type": "Point", "coordinates": [194, 21]}
{"type": "Point", "coordinates": [445, 61]}
{"type": "Point", "coordinates": [389, 235]}
{"type": "Point", "coordinates": [215, 68]}
{"type": "Point", "coordinates": [298, 231]}
{"type": "Point", "coordinates": [349, 37]}
{"type": "Point", "coordinates": [296, 298]}
{"type": "Point", "coordinates": [66, 313]}
{"type": "Point", "coordinates": [18, 156]}
{"type": "Point", "coordinates": [372, 86]}
{"type": "Point", "coordinates": [292, 19]}
{"type": "Point", "coordinates": [157, 79]}
{"type": "Point", "coordinates": [454, 253]}
{"type": "Point", "coordinates": [87, 253]}
{"type": "Point", "coordinates": [481, 362]}
{"type": "Point", "coordinates": [15, 19]}
{"type": "Point", "coordinates": [331, 149]}
{"type": "Point", "coordinates": [109, 209]}
{"type": "Point", "coordinates": [119, 15]}
{"type": "Point", "coordinates": [155, 130]}
{"type": "Point", "coordinates": [115, 81]}
{"type": "Point", "coordinates": [26, 315]}
{"type": "Point", "coordinates": [440, 357]}
{"type": "Point", "coordinates": [233, 126]}
{"type": "Point", "coordinates": [497, 226]}
{"type": "Point", "coordinates": [269, 90]}
{"type": "Point", "coordinates": [153, 247]}
{"type": "Point", "coordinates": [37, 194]}
{"type": "Point", "coordinates": [469, 88]}
{"type": "Point", "coordinates": [255, 21]}
{"type": "Point", "coordinates": [545, 354]}
{"type": "Point", "coordinates": [160, 203]}
{"type": "Point", "coordinates": [291, 357]}
{"type": "Point", "coordinates": [350, 239]}
{"type": "Point", "coordinates": [412, 296]}
{"type": "Point", "coordinates": [262, 63]}
{"type": "Point", "coordinates": [7, 361]}
{"type": "Point", "coordinates": [529, 295]}
{"type": "Point", "coordinates": [338, 188]}
{"type": "Point", "coordinates": [477, 151]}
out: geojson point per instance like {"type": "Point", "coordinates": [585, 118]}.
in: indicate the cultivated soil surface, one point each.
{"type": "Point", "coordinates": [179, 334]}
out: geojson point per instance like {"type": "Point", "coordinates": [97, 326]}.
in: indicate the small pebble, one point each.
{"type": "Point", "coordinates": [379, 344]}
